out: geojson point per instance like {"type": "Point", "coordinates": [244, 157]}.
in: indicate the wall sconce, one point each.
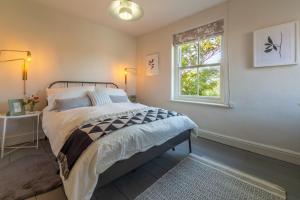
{"type": "Point", "coordinates": [126, 69]}
{"type": "Point", "coordinates": [27, 59]}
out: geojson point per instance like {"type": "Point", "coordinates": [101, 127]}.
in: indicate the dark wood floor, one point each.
{"type": "Point", "coordinates": [129, 186]}
{"type": "Point", "coordinates": [278, 172]}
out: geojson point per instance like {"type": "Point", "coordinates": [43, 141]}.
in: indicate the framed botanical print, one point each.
{"type": "Point", "coordinates": [16, 107]}
{"type": "Point", "coordinates": [152, 65]}
{"type": "Point", "coordinates": [276, 45]}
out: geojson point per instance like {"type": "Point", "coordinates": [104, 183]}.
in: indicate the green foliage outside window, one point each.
{"type": "Point", "coordinates": [209, 82]}
{"type": "Point", "coordinates": [209, 48]}
{"type": "Point", "coordinates": [189, 82]}
{"type": "Point", "coordinates": [202, 81]}
{"type": "Point", "coordinates": [189, 54]}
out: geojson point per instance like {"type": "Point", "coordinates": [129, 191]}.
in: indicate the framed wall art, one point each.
{"type": "Point", "coordinates": [276, 45]}
{"type": "Point", "coordinates": [152, 65]}
{"type": "Point", "coordinates": [16, 107]}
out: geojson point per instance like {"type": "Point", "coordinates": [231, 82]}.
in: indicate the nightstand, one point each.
{"type": "Point", "coordinates": [6, 118]}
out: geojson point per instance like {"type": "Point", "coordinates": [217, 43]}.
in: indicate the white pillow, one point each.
{"type": "Point", "coordinates": [65, 93]}
{"type": "Point", "coordinates": [112, 91]}
{"type": "Point", "coordinates": [99, 98]}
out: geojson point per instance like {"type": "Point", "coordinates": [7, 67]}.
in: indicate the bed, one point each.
{"type": "Point", "coordinates": [116, 154]}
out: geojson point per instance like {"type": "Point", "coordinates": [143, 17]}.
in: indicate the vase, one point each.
{"type": "Point", "coordinates": [29, 107]}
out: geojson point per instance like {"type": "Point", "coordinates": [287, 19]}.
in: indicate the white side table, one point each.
{"type": "Point", "coordinates": [27, 115]}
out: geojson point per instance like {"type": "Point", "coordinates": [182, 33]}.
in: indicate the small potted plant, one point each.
{"type": "Point", "coordinates": [30, 102]}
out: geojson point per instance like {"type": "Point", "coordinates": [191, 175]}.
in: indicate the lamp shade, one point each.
{"type": "Point", "coordinates": [125, 10]}
{"type": "Point", "coordinates": [28, 56]}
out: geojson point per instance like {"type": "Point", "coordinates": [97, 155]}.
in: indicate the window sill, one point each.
{"type": "Point", "coordinates": [203, 103]}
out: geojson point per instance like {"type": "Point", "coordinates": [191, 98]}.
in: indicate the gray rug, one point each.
{"type": "Point", "coordinates": [28, 176]}
{"type": "Point", "coordinates": [196, 178]}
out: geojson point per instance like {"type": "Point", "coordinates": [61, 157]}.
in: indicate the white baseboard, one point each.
{"type": "Point", "coordinates": [263, 149]}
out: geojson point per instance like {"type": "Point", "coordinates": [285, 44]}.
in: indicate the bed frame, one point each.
{"type": "Point", "coordinates": [82, 83]}
{"type": "Point", "coordinates": [124, 166]}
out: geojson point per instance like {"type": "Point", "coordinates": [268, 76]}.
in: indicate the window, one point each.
{"type": "Point", "coordinates": [198, 67]}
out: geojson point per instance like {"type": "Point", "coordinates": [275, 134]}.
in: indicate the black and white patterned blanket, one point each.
{"type": "Point", "coordinates": [83, 136]}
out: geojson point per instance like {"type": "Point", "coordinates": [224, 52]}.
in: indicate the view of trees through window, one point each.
{"type": "Point", "coordinates": [199, 67]}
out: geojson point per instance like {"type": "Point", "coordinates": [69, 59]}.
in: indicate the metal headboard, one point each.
{"type": "Point", "coordinates": [83, 83]}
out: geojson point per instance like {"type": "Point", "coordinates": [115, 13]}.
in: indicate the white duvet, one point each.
{"type": "Point", "coordinates": [106, 151]}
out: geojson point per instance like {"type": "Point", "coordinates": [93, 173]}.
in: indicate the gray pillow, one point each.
{"type": "Point", "coordinates": [119, 99]}
{"type": "Point", "coordinates": [67, 104]}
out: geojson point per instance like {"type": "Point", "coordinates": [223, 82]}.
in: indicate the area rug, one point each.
{"type": "Point", "coordinates": [28, 176]}
{"type": "Point", "coordinates": [196, 178]}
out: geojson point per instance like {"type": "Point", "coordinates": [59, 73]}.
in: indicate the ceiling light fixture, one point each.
{"type": "Point", "coordinates": [125, 10]}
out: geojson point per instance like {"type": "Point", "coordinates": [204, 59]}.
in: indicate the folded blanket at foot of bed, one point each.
{"type": "Point", "coordinates": [83, 136]}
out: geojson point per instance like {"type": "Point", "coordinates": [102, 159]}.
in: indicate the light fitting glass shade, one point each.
{"type": "Point", "coordinates": [125, 10]}
{"type": "Point", "coordinates": [28, 56]}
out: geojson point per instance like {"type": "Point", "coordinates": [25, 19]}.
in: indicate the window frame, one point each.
{"type": "Point", "coordinates": [222, 100]}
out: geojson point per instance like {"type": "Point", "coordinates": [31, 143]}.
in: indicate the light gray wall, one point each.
{"type": "Point", "coordinates": [266, 100]}
{"type": "Point", "coordinates": [266, 109]}
{"type": "Point", "coordinates": [63, 48]}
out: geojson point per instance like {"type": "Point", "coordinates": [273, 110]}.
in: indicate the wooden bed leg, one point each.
{"type": "Point", "coordinates": [190, 145]}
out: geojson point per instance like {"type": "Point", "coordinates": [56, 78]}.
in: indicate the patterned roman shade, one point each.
{"type": "Point", "coordinates": [202, 32]}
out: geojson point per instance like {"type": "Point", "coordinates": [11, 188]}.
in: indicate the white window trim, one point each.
{"type": "Point", "coordinates": [204, 103]}
{"type": "Point", "coordinates": [222, 101]}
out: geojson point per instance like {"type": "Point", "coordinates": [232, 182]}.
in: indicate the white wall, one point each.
{"type": "Point", "coordinates": [63, 48]}
{"type": "Point", "coordinates": [266, 113]}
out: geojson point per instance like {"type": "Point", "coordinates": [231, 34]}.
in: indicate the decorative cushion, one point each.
{"type": "Point", "coordinates": [99, 98]}
{"type": "Point", "coordinates": [116, 95]}
{"type": "Point", "coordinates": [119, 99]}
{"type": "Point", "coordinates": [67, 104]}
